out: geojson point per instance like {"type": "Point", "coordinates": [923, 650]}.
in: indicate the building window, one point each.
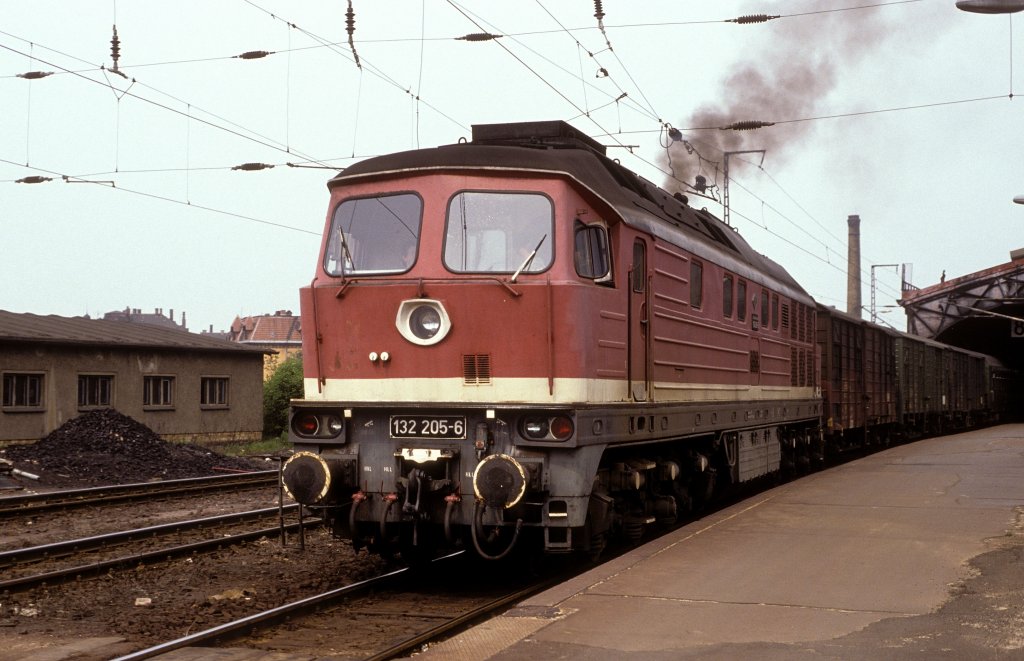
{"type": "Point", "coordinates": [696, 285]}
{"type": "Point", "coordinates": [95, 390]}
{"type": "Point", "coordinates": [23, 391]}
{"type": "Point", "coordinates": [214, 391]}
{"type": "Point", "coordinates": [158, 391]}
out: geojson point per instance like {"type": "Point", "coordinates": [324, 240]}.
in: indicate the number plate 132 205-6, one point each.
{"type": "Point", "coordinates": [448, 427]}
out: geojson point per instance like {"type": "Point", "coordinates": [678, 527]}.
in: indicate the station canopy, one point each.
{"type": "Point", "coordinates": [982, 311]}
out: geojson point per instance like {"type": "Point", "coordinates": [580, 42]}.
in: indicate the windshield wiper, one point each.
{"type": "Point", "coordinates": [529, 259]}
{"type": "Point", "coordinates": [346, 256]}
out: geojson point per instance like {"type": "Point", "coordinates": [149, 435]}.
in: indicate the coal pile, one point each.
{"type": "Point", "coordinates": [106, 447]}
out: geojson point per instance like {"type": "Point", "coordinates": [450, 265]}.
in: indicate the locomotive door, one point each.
{"type": "Point", "coordinates": [758, 316]}
{"type": "Point", "coordinates": [639, 323]}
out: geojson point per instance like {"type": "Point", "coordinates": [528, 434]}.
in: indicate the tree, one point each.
{"type": "Point", "coordinates": [284, 385]}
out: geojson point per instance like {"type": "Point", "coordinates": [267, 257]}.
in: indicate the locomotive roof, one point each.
{"type": "Point", "coordinates": [557, 148]}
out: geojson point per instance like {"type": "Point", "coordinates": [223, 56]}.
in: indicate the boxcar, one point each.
{"type": "Point", "coordinates": [858, 378]}
{"type": "Point", "coordinates": [940, 386]}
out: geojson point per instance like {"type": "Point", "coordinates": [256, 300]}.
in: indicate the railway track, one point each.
{"type": "Point", "coordinates": [410, 632]}
{"type": "Point", "coordinates": [31, 504]}
{"type": "Point", "coordinates": [216, 537]}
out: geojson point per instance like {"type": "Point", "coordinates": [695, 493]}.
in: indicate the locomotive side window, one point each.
{"type": "Point", "coordinates": [491, 232]}
{"type": "Point", "coordinates": [590, 252]}
{"type": "Point", "coordinates": [764, 309]}
{"type": "Point", "coordinates": [741, 301]}
{"type": "Point", "coordinates": [374, 235]}
{"type": "Point", "coordinates": [639, 274]}
{"type": "Point", "coordinates": [696, 285]}
{"type": "Point", "coordinates": [727, 296]}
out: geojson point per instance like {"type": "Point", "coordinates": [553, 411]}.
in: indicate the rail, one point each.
{"type": "Point", "coordinates": [158, 555]}
{"type": "Point", "coordinates": [73, 498]}
{"type": "Point", "coordinates": [242, 625]}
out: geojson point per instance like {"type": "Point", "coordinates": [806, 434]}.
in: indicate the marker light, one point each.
{"type": "Point", "coordinates": [546, 427]}
{"type": "Point", "coordinates": [310, 424]}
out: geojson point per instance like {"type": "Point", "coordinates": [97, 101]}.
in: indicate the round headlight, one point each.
{"type": "Point", "coordinates": [422, 321]}
{"type": "Point", "coordinates": [425, 322]}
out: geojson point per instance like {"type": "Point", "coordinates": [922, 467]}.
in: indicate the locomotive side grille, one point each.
{"type": "Point", "coordinates": [785, 316]}
{"type": "Point", "coordinates": [476, 369]}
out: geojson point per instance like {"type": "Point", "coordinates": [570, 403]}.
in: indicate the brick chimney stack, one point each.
{"type": "Point", "coordinates": [853, 302]}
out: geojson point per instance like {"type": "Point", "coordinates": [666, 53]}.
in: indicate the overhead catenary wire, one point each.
{"type": "Point", "coordinates": [164, 198]}
{"type": "Point", "coordinates": [259, 140]}
{"type": "Point", "coordinates": [528, 33]}
{"type": "Point", "coordinates": [620, 132]}
{"type": "Point", "coordinates": [374, 70]}
{"type": "Point", "coordinates": [593, 56]}
{"type": "Point", "coordinates": [418, 89]}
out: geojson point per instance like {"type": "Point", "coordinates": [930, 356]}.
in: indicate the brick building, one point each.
{"type": "Point", "coordinates": [280, 332]}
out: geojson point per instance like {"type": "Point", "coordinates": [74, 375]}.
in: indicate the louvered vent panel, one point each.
{"type": "Point", "coordinates": [476, 368]}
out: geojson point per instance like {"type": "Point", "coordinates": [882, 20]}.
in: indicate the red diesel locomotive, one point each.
{"type": "Point", "coordinates": [517, 338]}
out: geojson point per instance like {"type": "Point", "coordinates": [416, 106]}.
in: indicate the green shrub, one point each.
{"type": "Point", "coordinates": [283, 386]}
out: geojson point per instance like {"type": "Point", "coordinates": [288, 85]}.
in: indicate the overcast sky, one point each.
{"type": "Point", "coordinates": [898, 112]}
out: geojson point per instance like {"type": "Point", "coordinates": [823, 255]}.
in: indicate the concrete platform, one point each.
{"type": "Point", "coordinates": [872, 559]}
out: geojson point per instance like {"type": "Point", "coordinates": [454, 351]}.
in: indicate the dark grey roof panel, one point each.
{"type": "Point", "coordinates": [25, 327]}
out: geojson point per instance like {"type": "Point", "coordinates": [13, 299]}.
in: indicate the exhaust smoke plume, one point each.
{"type": "Point", "coordinates": [787, 76]}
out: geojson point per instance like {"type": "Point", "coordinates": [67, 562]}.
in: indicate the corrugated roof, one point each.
{"type": "Point", "coordinates": [24, 327]}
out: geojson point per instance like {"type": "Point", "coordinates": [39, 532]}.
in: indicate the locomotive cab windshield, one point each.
{"type": "Point", "coordinates": [374, 235]}
{"type": "Point", "coordinates": [492, 232]}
